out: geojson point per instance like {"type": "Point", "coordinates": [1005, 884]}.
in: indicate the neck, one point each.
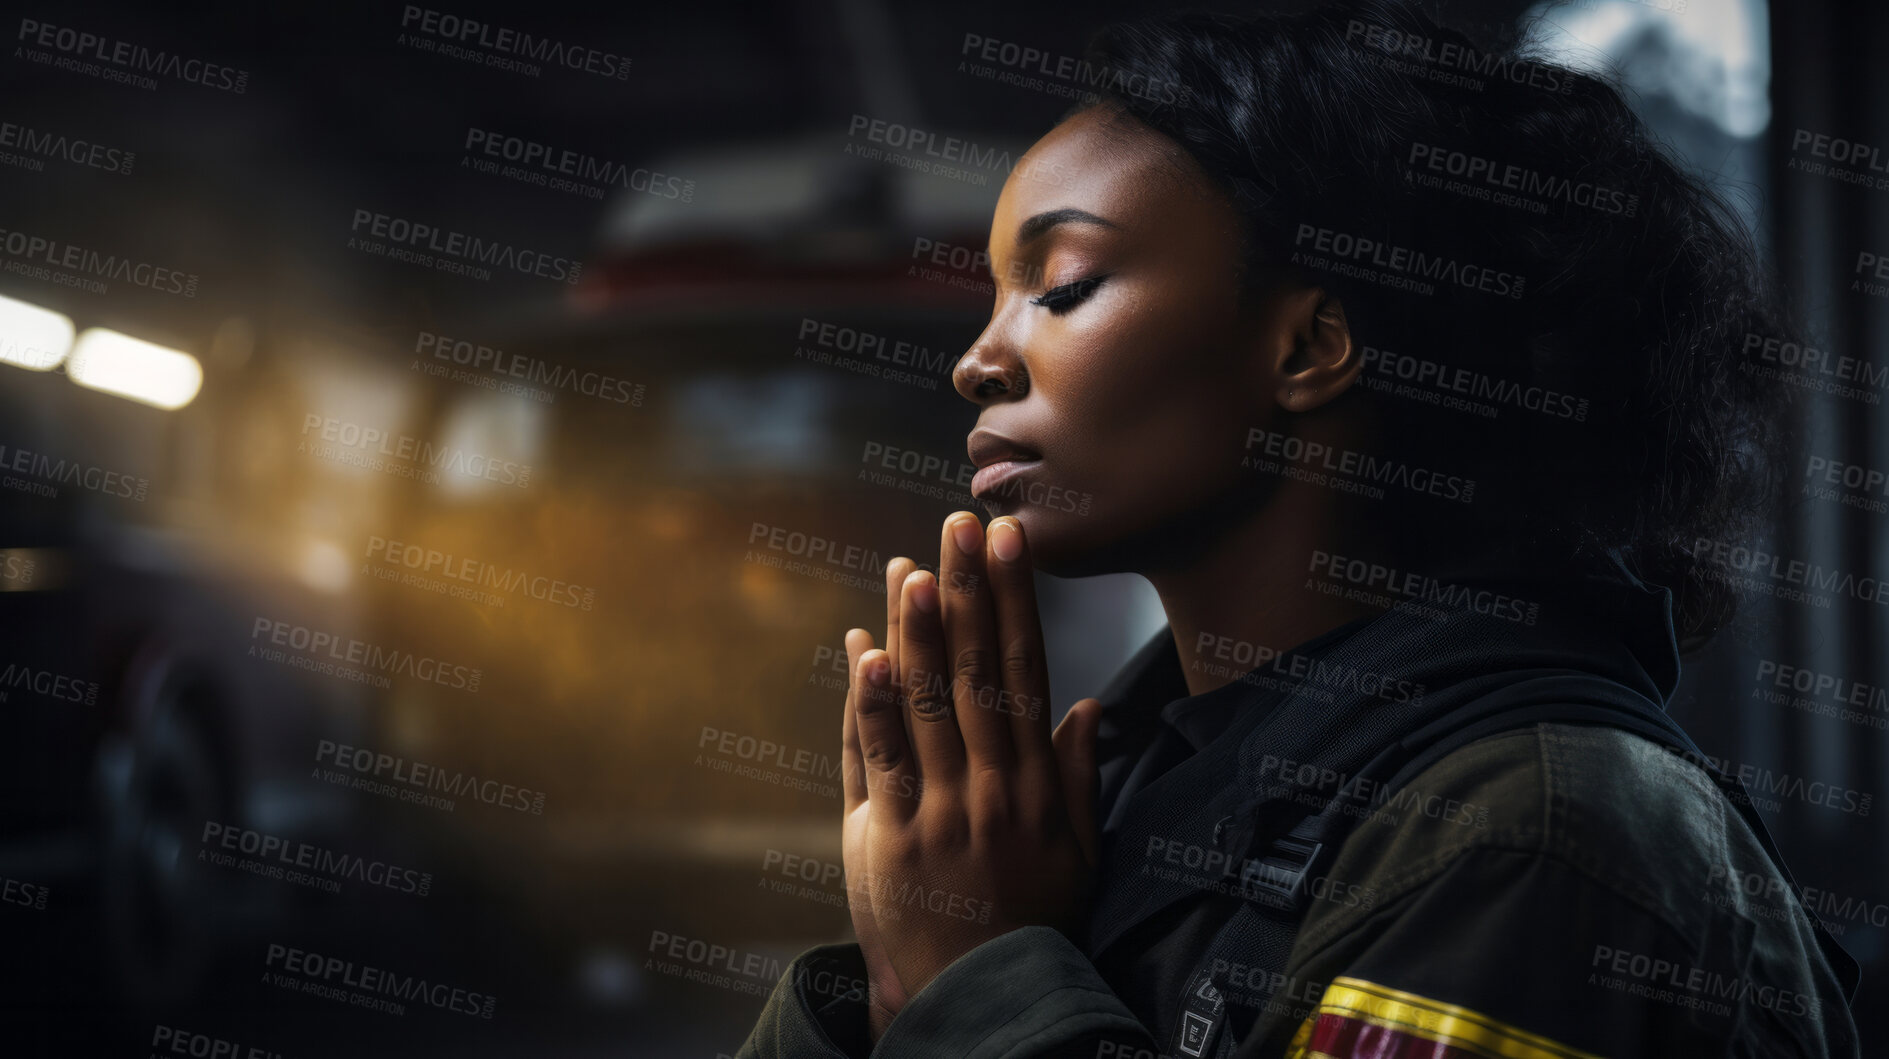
{"type": "Point", "coordinates": [1241, 598]}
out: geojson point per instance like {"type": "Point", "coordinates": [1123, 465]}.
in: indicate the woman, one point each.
{"type": "Point", "coordinates": [1407, 374]}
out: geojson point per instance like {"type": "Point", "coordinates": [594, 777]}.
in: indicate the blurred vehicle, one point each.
{"type": "Point", "coordinates": [511, 532]}
{"type": "Point", "coordinates": [124, 676]}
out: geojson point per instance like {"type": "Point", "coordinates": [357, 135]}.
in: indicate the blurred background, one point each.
{"type": "Point", "coordinates": [466, 604]}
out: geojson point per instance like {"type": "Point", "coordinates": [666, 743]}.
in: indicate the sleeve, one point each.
{"type": "Point", "coordinates": [1522, 955]}
{"type": "Point", "coordinates": [1027, 994]}
{"type": "Point", "coordinates": [816, 1011]}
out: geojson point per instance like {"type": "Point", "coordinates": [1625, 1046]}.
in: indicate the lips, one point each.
{"type": "Point", "coordinates": [998, 459]}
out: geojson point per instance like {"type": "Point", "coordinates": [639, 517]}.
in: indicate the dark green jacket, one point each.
{"type": "Point", "coordinates": [1559, 890]}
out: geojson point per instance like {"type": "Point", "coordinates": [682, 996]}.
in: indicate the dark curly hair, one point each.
{"type": "Point", "coordinates": [1499, 229]}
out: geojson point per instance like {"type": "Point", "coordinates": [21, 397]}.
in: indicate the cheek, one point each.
{"type": "Point", "coordinates": [1149, 413]}
{"type": "Point", "coordinates": [1119, 366]}
{"type": "Point", "coordinates": [1126, 468]}
{"type": "Point", "coordinates": [1148, 396]}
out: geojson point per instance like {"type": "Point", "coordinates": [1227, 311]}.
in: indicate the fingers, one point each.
{"type": "Point", "coordinates": [925, 682]}
{"type": "Point", "coordinates": [896, 572]}
{"type": "Point", "coordinates": [891, 770]}
{"type": "Point", "coordinates": [1019, 640]}
{"type": "Point", "coordinates": [1074, 741]}
{"type": "Point", "coordinates": [972, 660]}
{"type": "Point", "coordinates": [852, 762]}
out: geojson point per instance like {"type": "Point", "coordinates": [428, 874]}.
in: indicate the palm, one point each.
{"type": "Point", "coordinates": [888, 995]}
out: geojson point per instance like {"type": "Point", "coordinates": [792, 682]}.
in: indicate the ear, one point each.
{"type": "Point", "coordinates": [1319, 359]}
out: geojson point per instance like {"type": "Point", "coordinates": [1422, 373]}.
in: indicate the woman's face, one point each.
{"type": "Point", "coordinates": [1118, 376]}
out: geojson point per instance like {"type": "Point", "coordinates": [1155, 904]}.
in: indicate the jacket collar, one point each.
{"type": "Point", "coordinates": [1296, 730]}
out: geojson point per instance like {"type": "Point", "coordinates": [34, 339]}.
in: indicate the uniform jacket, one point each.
{"type": "Point", "coordinates": [1559, 890]}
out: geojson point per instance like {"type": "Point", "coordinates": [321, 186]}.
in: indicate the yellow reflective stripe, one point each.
{"type": "Point", "coordinates": [1296, 1050]}
{"type": "Point", "coordinates": [1394, 1009]}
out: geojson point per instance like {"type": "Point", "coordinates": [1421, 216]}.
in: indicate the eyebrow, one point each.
{"type": "Point", "coordinates": [1048, 219]}
{"type": "Point", "coordinates": [1043, 222]}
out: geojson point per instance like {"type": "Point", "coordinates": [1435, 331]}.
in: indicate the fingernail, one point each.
{"type": "Point", "coordinates": [878, 671]}
{"type": "Point", "coordinates": [968, 536]}
{"type": "Point", "coordinates": [1006, 540]}
{"type": "Point", "coordinates": [925, 596]}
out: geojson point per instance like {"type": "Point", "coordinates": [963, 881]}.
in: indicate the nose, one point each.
{"type": "Point", "coordinates": [989, 372]}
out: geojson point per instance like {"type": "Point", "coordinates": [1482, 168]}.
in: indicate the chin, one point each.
{"type": "Point", "coordinates": [1062, 543]}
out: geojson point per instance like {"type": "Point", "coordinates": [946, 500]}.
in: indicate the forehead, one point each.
{"type": "Point", "coordinates": [1117, 168]}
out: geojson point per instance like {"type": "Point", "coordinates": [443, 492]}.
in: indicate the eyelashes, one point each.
{"type": "Point", "coordinates": [1059, 300]}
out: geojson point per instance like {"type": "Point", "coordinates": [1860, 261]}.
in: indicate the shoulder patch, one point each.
{"type": "Point", "coordinates": [1356, 1019]}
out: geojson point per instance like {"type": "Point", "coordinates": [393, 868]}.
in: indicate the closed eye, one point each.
{"type": "Point", "coordinates": [1059, 300]}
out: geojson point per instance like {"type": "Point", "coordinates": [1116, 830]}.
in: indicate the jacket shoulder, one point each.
{"type": "Point", "coordinates": [1633, 818]}
{"type": "Point", "coordinates": [1577, 843]}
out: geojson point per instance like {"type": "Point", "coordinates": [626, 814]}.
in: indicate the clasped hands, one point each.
{"type": "Point", "coordinates": [966, 817]}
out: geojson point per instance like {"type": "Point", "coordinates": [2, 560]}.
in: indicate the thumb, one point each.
{"type": "Point", "coordinates": [1074, 742]}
